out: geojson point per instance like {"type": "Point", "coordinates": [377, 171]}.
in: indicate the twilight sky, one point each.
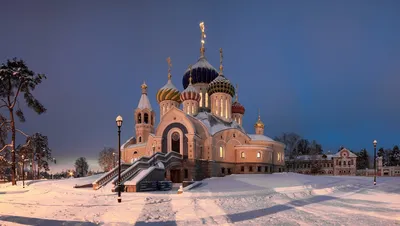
{"type": "Point", "coordinates": [327, 70]}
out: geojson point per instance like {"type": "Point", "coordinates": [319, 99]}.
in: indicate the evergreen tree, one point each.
{"type": "Point", "coordinates": [17, 79]}
{"type": "Point", "coordinates": [81, 167]}
{"type": "Point", "coordinates": [362, 159]}
{"type": "Point", "coordinates": [38, 148]}
{"type": "Point", "coordinates": [394, 156]}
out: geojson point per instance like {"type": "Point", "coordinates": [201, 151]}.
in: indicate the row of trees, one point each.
{"type": "Point", "coordinates": [18, 81]}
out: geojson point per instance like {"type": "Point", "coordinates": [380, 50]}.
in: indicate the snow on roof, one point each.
{"type": "Point", "coordinates": [316, 157]}
{"type": "Point", "coordinates": [214, 124]}
{"type": "Point", "coordinates": [144, 102]}
{"type": "Point", "coordinates": [202, 63]}
{"type": "Point", "coordinates": [260, 137]}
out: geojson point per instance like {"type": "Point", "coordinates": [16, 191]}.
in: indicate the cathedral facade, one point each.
{"type": "Point", "coordinates": [203, 123]}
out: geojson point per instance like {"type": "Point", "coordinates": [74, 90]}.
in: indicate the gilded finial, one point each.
{"type": "Point", "coordinates": [237, 95]}
{"type": "Point", "coordinates": [190, 77]}
{"type": "Point", "coordinates": [203, 37]}
{"type": "Point", "coordinates": [144, 87]}
{"type": "Point", "coordinates": [169, 68]}
{"type": "Point", "coordinates": [221, 57]}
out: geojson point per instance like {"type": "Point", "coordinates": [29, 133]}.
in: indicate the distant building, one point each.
{"type": "Point", "coordinates": [381, 170]}
{"type": "Point", "coordinates": [341, 163]}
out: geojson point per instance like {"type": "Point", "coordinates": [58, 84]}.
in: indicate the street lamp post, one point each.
{"type": "Point", "coordinates": [23, 171]}
{"type": "Point", "coordinates": [113, 159]}
{"type": "Point", "coordinates": [375, 143]}
{"type": "Point", "coordinates": [118, 120]}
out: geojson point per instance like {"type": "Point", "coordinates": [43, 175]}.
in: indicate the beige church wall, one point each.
{"type": "Point", "coordinates": [250, 154]}
{"type": "Point", "coordinates": [174, 115]}
{"type": "Point", "coordinates": [135, 152]}
{"type": "Point", "coordinates": [227, 139]}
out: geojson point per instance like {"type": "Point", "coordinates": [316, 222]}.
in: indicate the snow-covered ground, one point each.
{"type": "Point", "coordinates": [265, 199]}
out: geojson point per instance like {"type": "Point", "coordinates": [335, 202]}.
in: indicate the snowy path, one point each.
{"type": "Point", "coordinates": [234, 200]}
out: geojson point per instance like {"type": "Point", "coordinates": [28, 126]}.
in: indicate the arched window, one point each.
{"type": "Point", "coordinates": [206, 103]}
{"type": "Point", "coordinates": [221, 152]}
{"type": "Point", "coordinates": [140, 139]}
{"type": "Point", "coordinates": [279, 156]}
{"type": "Point", "coordinates": [163, 110]}
{"type": "Point", "coordinates": [242, 155]}
{"type": "Point", "coordinates": [258, 154]}
{"type": "Point", "coordinates": [201, 99]}
{"type": "Point", "coordinates": [139, 118]}
{"type": "Point", "coordinates": [146, 118]}
{"type": "Point", "coordinates": [192, 108]}
{"type": "Point", "coordinates": [135, 152]}
{"type": "Point", "coordinates": [187, 109]}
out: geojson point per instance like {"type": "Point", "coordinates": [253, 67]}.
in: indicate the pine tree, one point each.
{"type": "Point", "coordinates": [394, 156]}
{"type": "Point", "coordinates": [81, 167]}
{"type": "Point", "coordinates": [17, 79]}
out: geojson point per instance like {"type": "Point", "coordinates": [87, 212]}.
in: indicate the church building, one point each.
{"type": "Point", "coordinates": [204, 123]}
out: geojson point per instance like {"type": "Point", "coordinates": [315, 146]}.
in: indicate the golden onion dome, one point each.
{"type": "Point", "coordinates": [259, 123]}
{"type": "Point", "coordinates": [168, 91]}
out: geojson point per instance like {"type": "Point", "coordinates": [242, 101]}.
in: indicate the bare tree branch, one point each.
{"type": "Point", "coordinates": [5, 146]}
{"type": "Point", "coordinates": [4, 123]}
{"type": "Point", "coordinates": [21, 132]}
{"type": "Point", "coordinates": [5, 103]}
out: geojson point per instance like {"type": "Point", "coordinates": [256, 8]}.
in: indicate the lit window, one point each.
{"type": "Point", "coordinates": [222, 108]}
{"type": "Point", "coordinates": [201, 99]}
{"type": "Point", "coordinates": [216, 106]}
{"type": "Point", "coordinates": [226, 108]}
{"type": "Point", "coordinates": [163, 109]}
{"type": "Point", "coordinates": [242, 155]}
{"type": "Point", "coordinates": [206, 103]}
{"type": "Point", "coordinates": [192, 109]}
{"type": "Point", "coordinates": [221, 152]}
{"type": "Point", "coordinates": [279, 157]}
{"type": "Point", "coordinates": [239, 121]}
{"type": "Point", "coordinates": [258, 154]}
{"type": "Point", "coordinates": [187, 109]}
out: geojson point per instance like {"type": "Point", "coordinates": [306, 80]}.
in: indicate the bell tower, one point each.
{"type": "Point", "coordinates": [144, 117]}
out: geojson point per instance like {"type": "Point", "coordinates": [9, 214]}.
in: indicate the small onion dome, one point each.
{"type": "Point", "coordinates": [202, 72]}
{"type": "Point", "coordinates": [190, 93]}
{"type": "Point", "coordinates": [168, 92]}
{"type": "Point", "coordinates": [237, 108]}
{"type": "Point", "coordinates": [221, 85]}
{"type": "Point", "coordinates": [259, 123]}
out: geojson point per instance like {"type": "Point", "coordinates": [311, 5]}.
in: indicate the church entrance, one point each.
{"type": "Point", "coordinates": [175, 176]}
{"type": "Point", "coordinates": [175, 142]}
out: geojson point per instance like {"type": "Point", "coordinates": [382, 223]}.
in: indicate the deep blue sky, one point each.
{"type": "Point", "coordinates": [328, 70]}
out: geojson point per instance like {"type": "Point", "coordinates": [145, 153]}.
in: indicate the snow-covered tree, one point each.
{"type": "Point", "coordinates": [17, 79]}
{"type": "Point", "coordinates": [107, 158]}
{"type": "Point", "coordinates": [81, 167]}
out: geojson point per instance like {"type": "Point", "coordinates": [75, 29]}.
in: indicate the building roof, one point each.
{"type": "Point", "coordinates": [144, 102]}
{"type": "Point", "coordinates": [215, 125]}
{"type": "Point", "coordinates": [258, 137]}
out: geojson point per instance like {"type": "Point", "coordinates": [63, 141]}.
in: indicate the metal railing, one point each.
{"type": "Point", "coordinates": [108, 176]}
{"type": "Point", "coordinates": [146, 162]}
